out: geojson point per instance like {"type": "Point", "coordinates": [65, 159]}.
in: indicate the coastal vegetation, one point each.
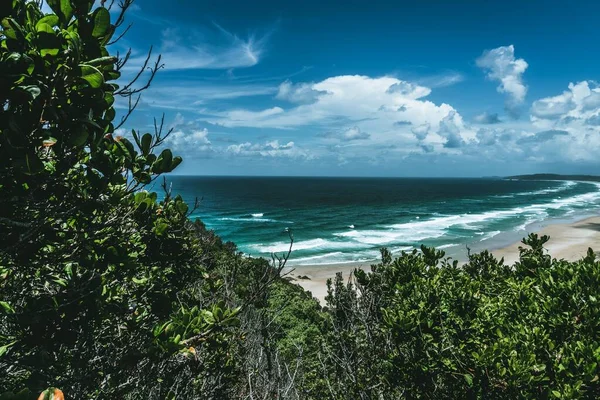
{"type": "Point", "coordinates": [556, 177]}
{"type": "Point", "coordinates": [108, 290]}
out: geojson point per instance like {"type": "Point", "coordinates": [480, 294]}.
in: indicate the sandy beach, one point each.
{"type": "Point", "coordinates": [569, 241]}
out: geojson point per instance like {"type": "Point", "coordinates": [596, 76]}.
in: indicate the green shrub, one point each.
{"type": "Point", "coordinates": [433, 329]}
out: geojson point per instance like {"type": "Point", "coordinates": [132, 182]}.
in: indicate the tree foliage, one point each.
{"type": "Point", "coordinates": [96, 274]}
{"type": "Point", "coordinates": [421, 326]}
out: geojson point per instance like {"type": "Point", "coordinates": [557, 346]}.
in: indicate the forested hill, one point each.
{"type": "Point", "coordinates": [555, 177]}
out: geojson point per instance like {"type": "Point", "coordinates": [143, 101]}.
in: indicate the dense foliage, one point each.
{"type": "Point", "coordinates": [421, 326]}
{"type": "Point", "coordinates": [109, 291]}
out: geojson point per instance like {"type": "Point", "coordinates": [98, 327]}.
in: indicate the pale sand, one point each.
{"type": "Point", "coordinates": [568, 241]}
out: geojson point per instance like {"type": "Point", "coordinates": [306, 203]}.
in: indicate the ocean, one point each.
{"type": "Point", "coordinates": [347, 220]}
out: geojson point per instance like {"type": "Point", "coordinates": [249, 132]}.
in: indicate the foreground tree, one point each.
{"type": "Point", "coordinates": [97, 276]}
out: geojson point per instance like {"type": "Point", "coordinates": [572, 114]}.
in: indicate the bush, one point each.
{"type": "Point", "coordinates": [421, 326]}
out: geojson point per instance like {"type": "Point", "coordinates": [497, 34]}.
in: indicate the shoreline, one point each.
{"type": "Point", "coordinates": [569, 240]}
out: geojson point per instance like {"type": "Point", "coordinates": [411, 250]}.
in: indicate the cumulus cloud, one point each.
{"type": "Point", "coordinates": [409, 90]}
{"type": "Point", "coordinates": [450, 129]}
{"type": "Point", "coordinates": [486, 136]}
{"type": "Point", "coordinates": [593, 120]}
{"type": "Point", "coordinates": [421, 131]}
{"type": "Point", "coordinates": [553, 107]}
{"type": "Point", "coordinates": [300, 93]}
{"type": "Point", "coordinates": [501, 65]}
{"type": "Point", "coordinates": [353, 133]}
{"type": "Point", "coordinates": [581, 102]}
{"type": "Point", "coordinates": [487, 118]}
{"type": "Point", "coordinates": [268, 149]}
{"type": "Point", "coordinates": [189, 141]}
{"type": "Point", "coordinates": [374, 105]}
{"type": "Point", "coordinates": [543, 136]}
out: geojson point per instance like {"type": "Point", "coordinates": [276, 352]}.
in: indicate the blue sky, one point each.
{"type": "Point", "coordinates": [433, 88]}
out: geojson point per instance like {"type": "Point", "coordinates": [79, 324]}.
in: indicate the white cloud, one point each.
{"type": "Point", "coordinates": [353, 133]}
{"type": "Point", "coordinates": [567, 125]}
{"type": "Point", "coordinates": [502, 66]}
{"type": "Point", "coordinates": [450, 129]}
{"type": "Point", "coordinates": [487, 118]}
{"type": "Point", "coordinates": [221, 50]}
{"type": "Point", "coordinates": [580, 102]}
{"type": "Point", "coordinates": [442, 80]}
{"type": "Point", "coordinates": [486, 136]}
{"type": "Point", "coordinates": [190, 95]}
{"type": "Point", "coordinates": [373, 105]}
{"type": "Point", "coordinates": [301, 93]}
{"type": "Point", "coordinates": [409, 90]}
{"type": "Point", "coordinates": [553, 107]}
{"type": "Point", "coordinates": [268, 149]}
{"type": "Point", "coordinates": [189, 141]}
{"type": "Point", "coordinates": [421, 131]}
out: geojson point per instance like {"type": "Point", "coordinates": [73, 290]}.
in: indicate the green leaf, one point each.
{"type": "Point", "coordinates": [49, 19]}
{"type": "Point", "coordinates": [146, 143]}
{"type": "Point", "coordinates": [63, 9]}
{"type": "Point", "coordinates": [44, 27]}
{"type": "Point", "coordinates": [163, 163]}
{"type": "Point", "coordinates": [109, 60]}
{"type": "Point", "coordinates": [101, 22]}
{"type": "Point", "coordinates": [78, 138]}
{"type": "Point", "coordinates": [49, 52]}
{"type": "Point", "coordinates": [139, 281]}
{"type": "Point", "coordinates": [6, 307]}
{"type": "Point", "coordinates": [4, 349]}
{"type": "Point", "coordinates": [176, 161]}
{"type": "Point", "coordinates": [32, 90]}
{"type": "Point", "coordinates": [468, 379]}
{"type": "Point", "coordinates": [61, 282]}
{"type": "Point", "coordinates": [109, 99]}
{"type": "Point", "coordinates": [161, 228]}
{"type": "Point", "coordinates": [92, 76]}
{"type": "Point", "coordinates": [144, 178]}
{"type": "Point", "coordinates": [109, 115]}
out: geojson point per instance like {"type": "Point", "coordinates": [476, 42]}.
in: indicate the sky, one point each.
{"type": "Point", "coordinates": [372, 88]}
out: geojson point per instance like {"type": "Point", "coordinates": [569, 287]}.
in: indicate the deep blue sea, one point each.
{"type": "Point", "coordinates": [340, 220]}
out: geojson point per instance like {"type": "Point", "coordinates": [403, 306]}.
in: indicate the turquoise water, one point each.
{"type": "Point", "coordinates": [340, 220]}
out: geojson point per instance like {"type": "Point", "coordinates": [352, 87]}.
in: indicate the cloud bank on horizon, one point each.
{"type": "Point", "coordinates": [233, 112]}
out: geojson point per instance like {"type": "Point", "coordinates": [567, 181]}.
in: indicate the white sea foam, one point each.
{"type": "Point", "coordinates": [253, 219]}
{"type": "Point", "coordinates": [257, 215]}
{"type": "Point", "coordinates": [390, 235]}
{"type": "Point", "coordinates": [490, 235]}
{"type": "Point", "coordinates": [357, 244]}
{"type": "Point", "coordinates": [445, 246]}
{"type": "Point", "coordinates": [416, 231]}
{"type": "Point", "coordinates": [336, 257]}
{"type": "Point", "coordinates": [312, 244]}
{"type": "Point", "coordinates": [565, 186]}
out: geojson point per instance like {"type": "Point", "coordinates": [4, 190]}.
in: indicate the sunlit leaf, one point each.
{"type": "Point", "coordinates": [92, 76]}
{"type": "Point", "coordinates": [101, 22]}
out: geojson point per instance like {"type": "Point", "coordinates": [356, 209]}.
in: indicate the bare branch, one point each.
{"type": "Point", "coordinates": [120, 36]}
